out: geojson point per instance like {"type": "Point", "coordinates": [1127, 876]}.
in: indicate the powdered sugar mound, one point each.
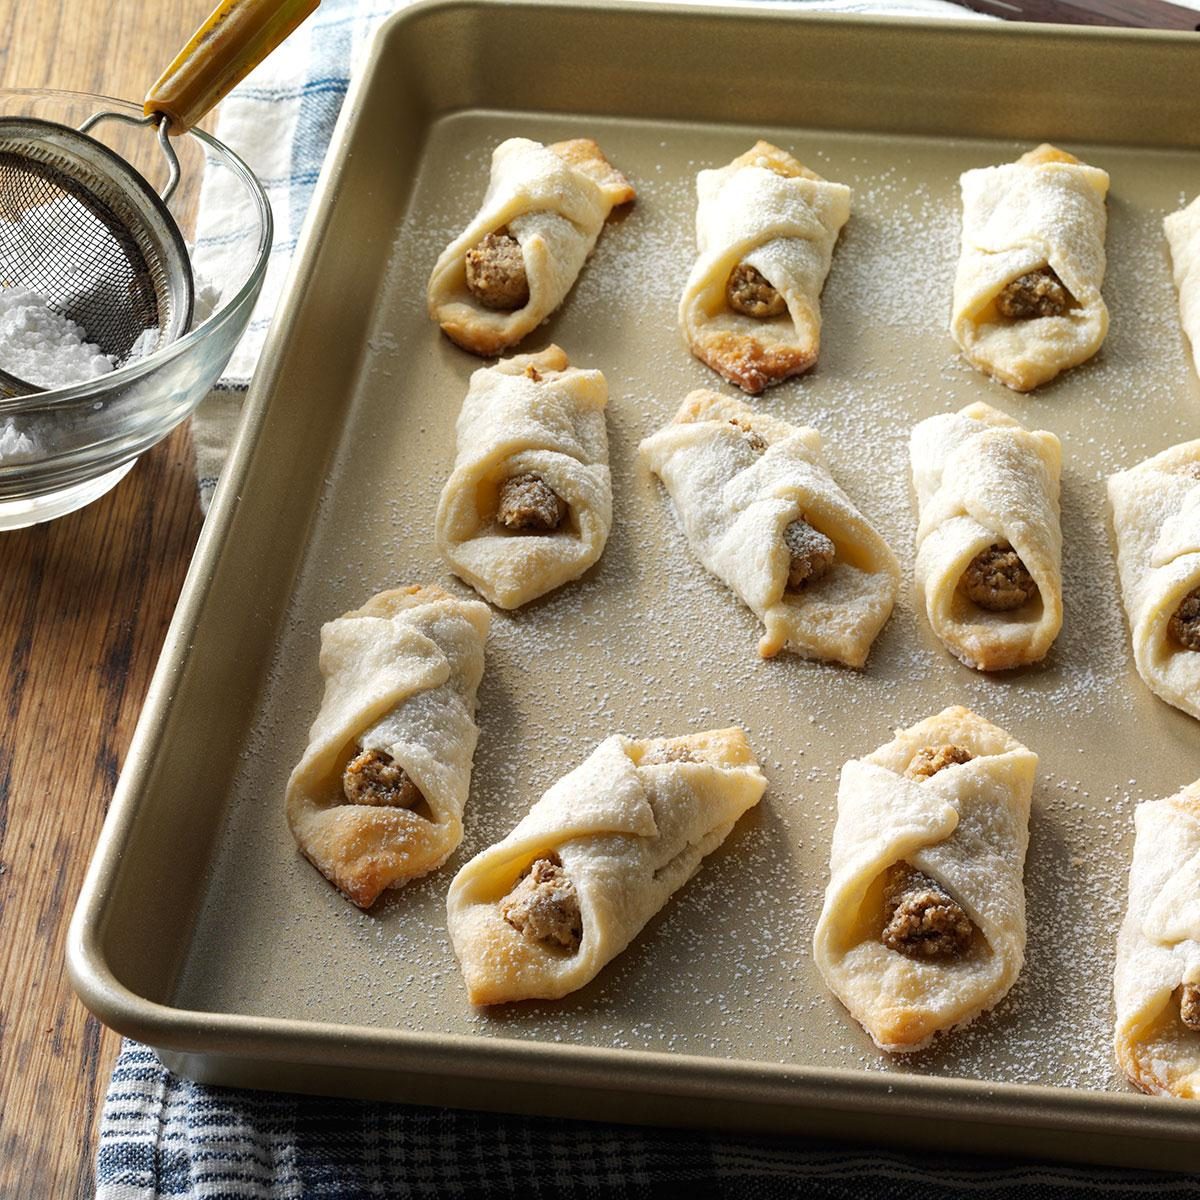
{"type": "Point", "coordinates": [44, 347]}
{"type": "Point", "coordinates": [15, 446]}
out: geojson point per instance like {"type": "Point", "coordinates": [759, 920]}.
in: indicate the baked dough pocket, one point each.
{"type": "Point", "coordinates": [986, 486]}
{"type": "Point", "coordinates": [1158, 950]}
{"type": "Point", "coordinates": [1183, 236]}
{"type": "Point", "coordinates": [964, 828]}
{"type": "Point", "coordinates": [744, 484]}
{"type": "Point", "coordinates": [1027, 302]}
{"type": "Point", "coordinates": [768, 213]}
{"type": "Point", "coordinates": [533, 421]}
{"type": "Point", "coordinates": [538, 914]}
{"type": "Point", "coordinates": [395, 732]}
{"type": "Point", "coordinates": [1156, 517]}
{"type": "Point", "coordinates": [552, 201]}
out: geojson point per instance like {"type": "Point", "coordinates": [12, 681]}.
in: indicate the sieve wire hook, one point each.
{"type": "Point", "coordinates": [164, 141]}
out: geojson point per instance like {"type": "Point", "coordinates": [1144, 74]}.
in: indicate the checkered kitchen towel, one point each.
{"type": "Point", "coordinates": [162, 1136]}
{"type": "Point", "coordinates": [165, 1137]}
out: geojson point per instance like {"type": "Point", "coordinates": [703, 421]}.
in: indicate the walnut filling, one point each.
{"type": "Point", "coordinates": [812, 554]}
{"type": "Point", "coordinates": [371, 777]}
{"type": "Point", "coordinates": [529, 505]}
{"type": "Point", "coordinates": [496, 273]}
{"type": "Point", "coordinates": [1038, 294]}
{"type": "Point", "coordinates": [929, 760]}
{"type": "Point", "coordinates": [748, 292]}
{"type": "Point", "coordinates": [751, 437]}
{"type": "Point", "coordinates": [667, 754]}
{"type": "Point", "coordinates": [1184, 625]}
{"type": "Point", "coordinates": [923, 920]}
{"type": "Point", "coordinates": [1189, 1006]}
{"type": "Point", "coordinates": [997, 579]}
{"type": "Point", "coordinates": [544, 905]}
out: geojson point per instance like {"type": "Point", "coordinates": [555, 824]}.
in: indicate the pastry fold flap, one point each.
{"type": "Point", "coordinates": [626, 836]}
{"type": "Point", "coordinates": [510, 425]}
{"type": "Point", "coordinates": [1183, 236]}
{"type": "Point", "coordinates": [1159, 948]}
{"type": "Point", "coordinates": [1017, 218]}
{"type": "Point", "coordinates": [985, 483]}
{"type": "Point", "coordinates": [401, 682]}
{"type": "Point", "coordinates": [735, 509]}
{"type": "Point", "coordinates": [785, 226]}
{"type": "Point", "coordinates": [1180, 532]}
{"type": "Point", "coordinates": [554, 200]}
{"type": "Point", "coordinates": [1156, 516]}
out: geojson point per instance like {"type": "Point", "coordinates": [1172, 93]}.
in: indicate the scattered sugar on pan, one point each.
{"type": "Point", "coordinates": [649, 643]}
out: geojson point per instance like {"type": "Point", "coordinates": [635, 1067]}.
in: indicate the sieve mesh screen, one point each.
{"type": "Point", "coordinates": [61, 240]}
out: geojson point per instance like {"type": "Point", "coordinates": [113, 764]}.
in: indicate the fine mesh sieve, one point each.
{"type": "Point", "coordinates": [85, 231]}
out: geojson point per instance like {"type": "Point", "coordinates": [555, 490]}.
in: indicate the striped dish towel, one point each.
{"type": "Point", "coordinates": [163, 1136]}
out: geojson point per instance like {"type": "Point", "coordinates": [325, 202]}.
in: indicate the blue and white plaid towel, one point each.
{"type": "Point", "coordinates": [162, 1136]}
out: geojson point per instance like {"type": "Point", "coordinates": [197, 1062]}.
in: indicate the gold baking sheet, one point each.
{"type": "Point", "coordinates": [204, 931]}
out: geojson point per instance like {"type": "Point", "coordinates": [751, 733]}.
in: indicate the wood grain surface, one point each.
{"type": "Point", "coordinates": [84, 604]}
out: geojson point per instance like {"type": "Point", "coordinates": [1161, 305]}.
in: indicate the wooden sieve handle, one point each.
{"type": "Point", "coordinates": [237, 36]}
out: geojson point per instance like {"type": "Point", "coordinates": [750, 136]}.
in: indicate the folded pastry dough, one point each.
{"type": "Point", "coordinates": [528, 505]}
{"type": "Point", "coordinates": [1027, 301]}
{"type": "Point", "coordinates": [1157, 976]}
{"type": "Point", "coordinates": [989, 544]}
{"type": "Point", "coordinates": [1156, 515]}
{"type": "Point", "coordinates": [765, 231]}
{"type": "Point", "coordinates": [540, 913]}
{"type": "Point", "coordinates": [763, 514]}
{"type": "Point", "coordinates": [552, 202]}
{"type": "Point", "coordinates": [923, 925]}
{"type": "Point", "coordinates": [1183, 236]}
{"type": "Point", "coordinates": [377, 799]}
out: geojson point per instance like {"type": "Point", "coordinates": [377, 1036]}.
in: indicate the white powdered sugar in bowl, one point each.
{"type": "Point", "coordinates": [44, 347]}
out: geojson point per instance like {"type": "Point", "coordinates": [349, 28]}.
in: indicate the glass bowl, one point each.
{"type": "Point", "coordinates": [61, 449]}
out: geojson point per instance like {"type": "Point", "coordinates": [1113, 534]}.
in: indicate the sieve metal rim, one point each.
{"type": "Point", "coordinates": [78, 143]}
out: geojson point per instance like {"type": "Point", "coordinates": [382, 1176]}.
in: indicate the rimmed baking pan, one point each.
{"type": "Point", "coordinates": [200, 929]}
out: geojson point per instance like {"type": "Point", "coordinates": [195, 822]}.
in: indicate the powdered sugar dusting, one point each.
{"type": "Point", "coordinates": [649, 643]}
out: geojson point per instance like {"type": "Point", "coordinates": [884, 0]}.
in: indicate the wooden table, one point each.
{"type": "Point", "coordinates": [84, 605]}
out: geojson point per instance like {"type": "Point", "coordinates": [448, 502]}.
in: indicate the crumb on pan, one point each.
{"type": "Point", "coordinates": [812, 553]}
{"type": "Point", "coordinates": [1037, 294]}
{"type": "Point", "coordinates": [929, 760]}
{"type": "Point", "coordinates": [372, 777]}
{"type": "Point", "coordinates": [997, 579]}
{"type": "Point", "coordinates": [923, 919]}
{"type": "Point", "coordinates": [748, 292]}
{"type": "Point", "coordinates": [544, 905]}
{"type": "Point", "coordinates": [1184, 625]}
{"type": "Point", "coordinates": [666, 753]}
{"type": "Point", "coordinates": [529, 505]}
{"type": "Point", "coordinates": [496, 273]}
